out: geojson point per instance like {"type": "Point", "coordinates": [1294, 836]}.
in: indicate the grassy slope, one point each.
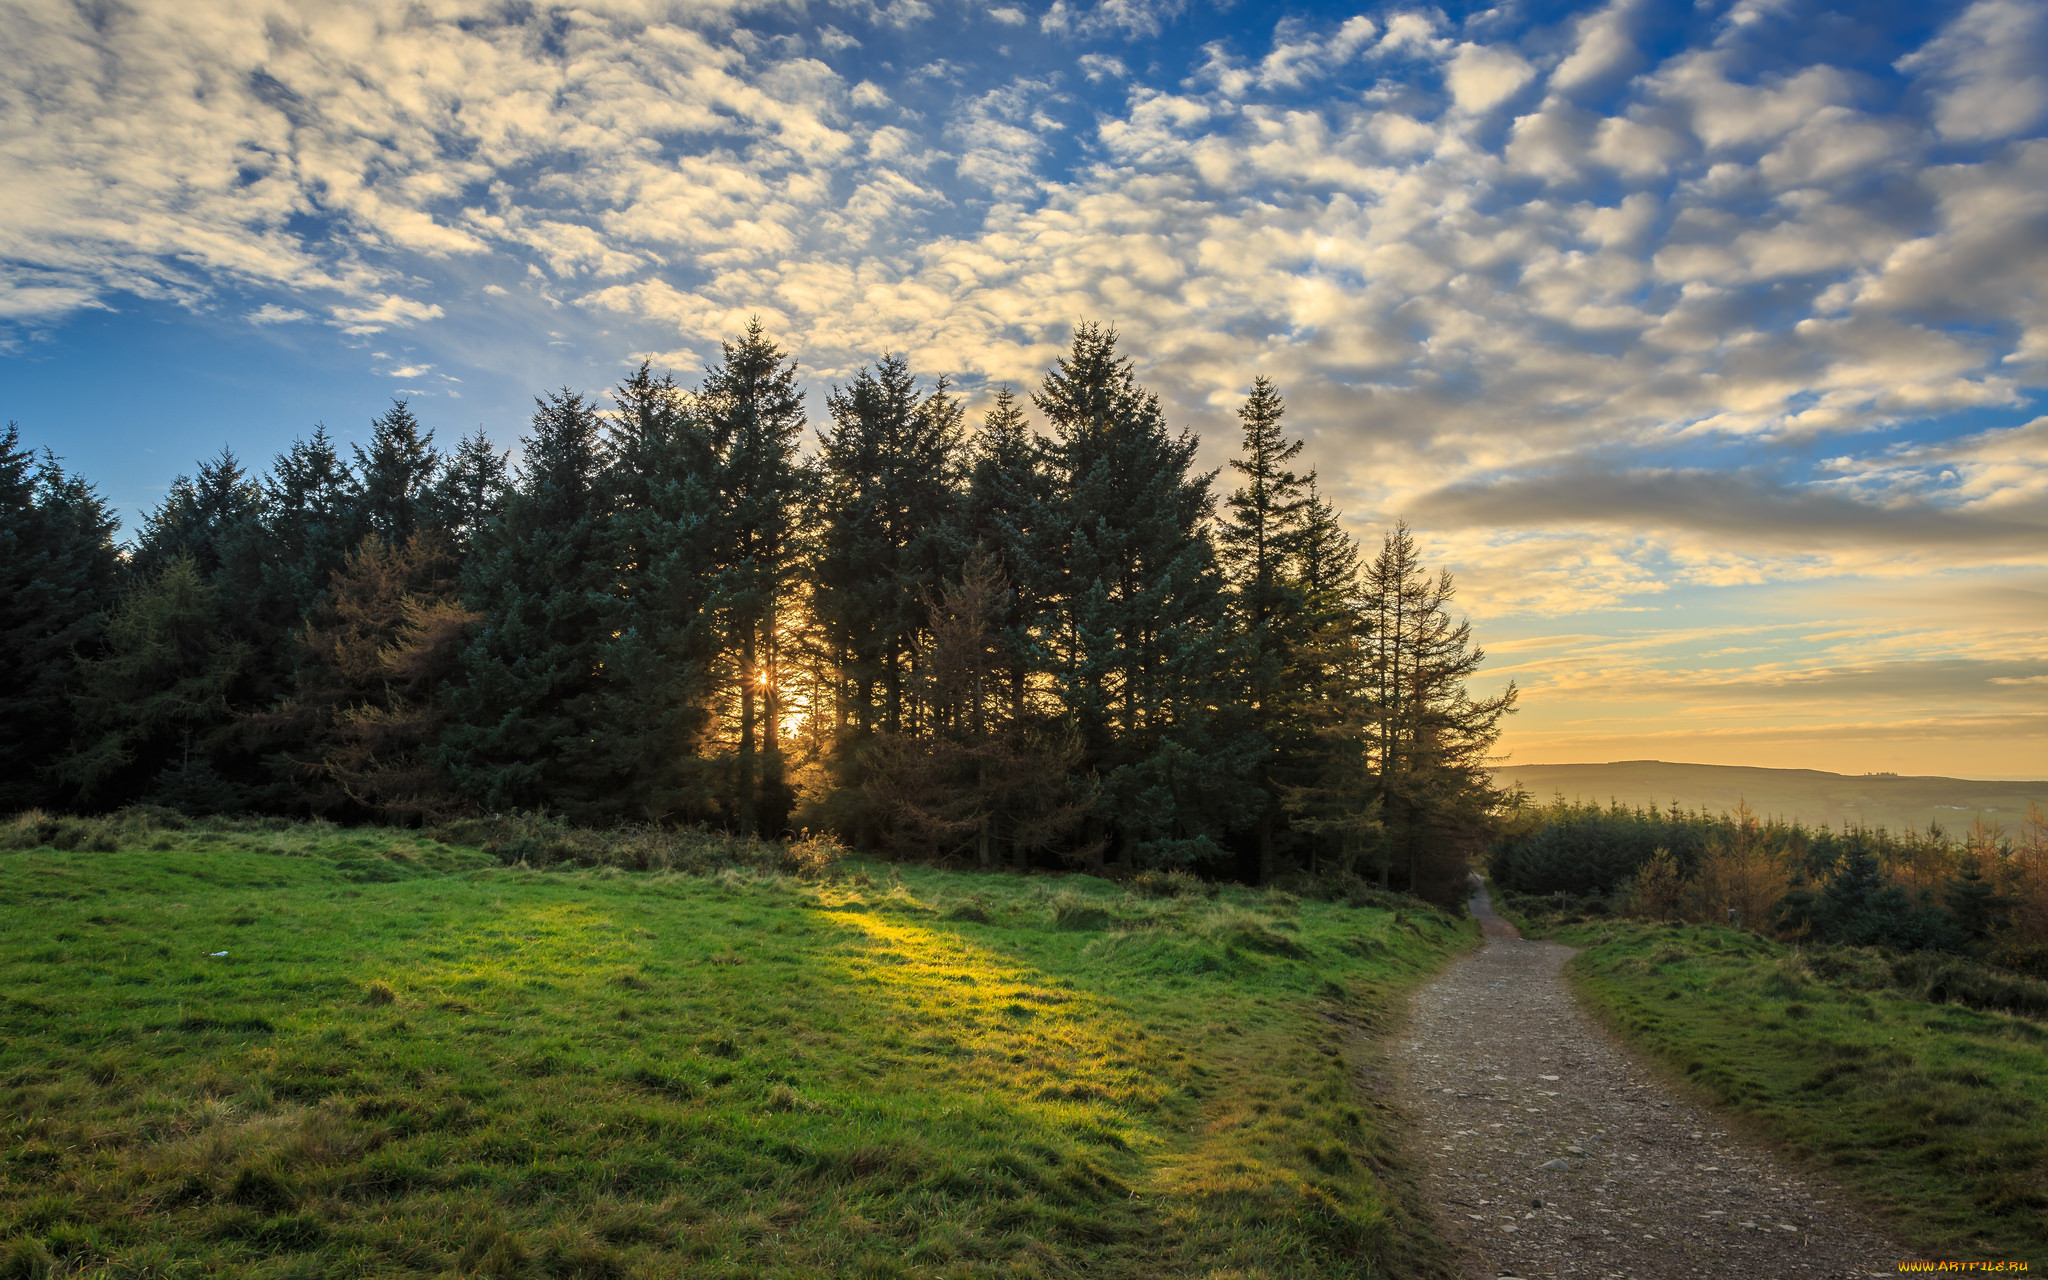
{"type": "Point", "coordinates": [1934, 1112]}
{"type": "Point", "coordinates": [1809, 795]}
{"type": "Point", "coordinates": [412, 1062]}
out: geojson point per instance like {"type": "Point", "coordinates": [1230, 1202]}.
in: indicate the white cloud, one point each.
{"type": "Point", "coordinates": [271, 313]}
{"type": "Point", "coordinates": [387, 312]}
{"type": "Point", "coordinates": [1988, 70]}
{"type": "Point", "coordinates": [1481, 77]}
{"type": "Point", "coordinates": [1605, 49]}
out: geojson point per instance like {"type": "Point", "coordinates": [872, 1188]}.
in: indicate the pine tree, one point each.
{"type": "Point", "coordinates": [982, 784]}
{"type": "Point", "coordinates": [755, 414]}
{"type": "Point", "coordinates": [212, 519]}
{"type": "Point", "coordinates": [1326, 784]}
{"type": "Point", "coordinates": [307, 514]}
{"type": "Point", "coordinates": [1005, 510]}
{"type": "Point", "coordinates": [1259, 543]}
{"type": "Point", "coordinates": [1138, 629]}
{"type": "Point", "coordinates": [151, 709]}
{"type": "Point", "coordinates": [59, 574]}
{"type": "Point", "coordinates": [656, 670]}
{"type": "Point", "coordinates": [1428, 739]}
{"type": "Point", "coordinates": [471, 490]}
{"type": "Point", "coordinates": [395, 476]}
{"type": "Point", "coordinates": [525, 713]}
{"type": "Point", "coordinates": [886, 499]}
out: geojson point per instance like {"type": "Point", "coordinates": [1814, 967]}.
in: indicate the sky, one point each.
{"type": "Point", "coordinates": [1705, 343]}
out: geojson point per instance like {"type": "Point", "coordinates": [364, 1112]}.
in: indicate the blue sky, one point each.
{"type": "Point", "coordinates": [1704, 342]}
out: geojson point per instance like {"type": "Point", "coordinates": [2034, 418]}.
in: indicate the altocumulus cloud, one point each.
{"type": "Point", "coordinates": [1614, 304]}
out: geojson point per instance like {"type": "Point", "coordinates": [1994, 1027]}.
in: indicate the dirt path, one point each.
{"type": "Point", "coordinates": [1551, 1153]}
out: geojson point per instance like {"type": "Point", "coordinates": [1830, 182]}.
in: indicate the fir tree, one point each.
{"type": "Point", "coordinates": [395, 476]}
{"type": "Point", "coordinates": [471, 490]}
{"type": "Point", "coordinates": [1259, 543]}
{"type": "Point", "coordinates": [1428, 739]}
{"type": "Point", "coordinates": [1005, 511]}
{"type": "Point", "coordinates": [307, 513]}
{"type": "Point", "coordinates": [59, 574]}
{"type": "Point", "coordinates": [153, 706]}
{"type": "Point", "coordinates": [755, 414]}
{"type": "Point", "coordinates": [656, 670]}
{"type": "Point", "coordinates": [525, 714]}
{"type": "Point", "coordinates": [1137, 630]}
{"type": "Point", "coordinates": [886, 500]}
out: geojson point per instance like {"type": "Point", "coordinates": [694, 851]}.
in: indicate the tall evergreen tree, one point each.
{"type": "Point", "coordinates": [656, 668]}
{"type": "Point", "coordinates": [59, 574]}
{"type": "Point", "coordinates": [471, 490]}
{"type": "Point", "coordinates": [525, 713]}
{"type": "Point", "coordinates": [213, 519]}
{"type": "Point", "coordinates": [1138, 630]}
{"type": "Point", "coordinates": [756, 417]}
{"type": "Point", "coordinates": [1006, 510]}
{"type": "Point", "coordinates": [1428, 739]}
{"type": "Point", "coordinates": [395, 476]}
{"type": "Point", "coordinates": [1259, 542]}
{"type": "Point", "coordinates": [152, 708]}
{"type": "Point", "coordinates": [886, 502]}
{"type": "Point", "coordinates": [1326, 783]}
{"type": "Point", "coordinates": [308, 510]}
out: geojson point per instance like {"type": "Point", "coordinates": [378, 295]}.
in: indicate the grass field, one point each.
{"type": "Point", "coordinates": [413, 1061]}
{"type": "Point", "coordinates": [1934, 1112]}
{"type": "Point", "coordinates": [1811, 796]}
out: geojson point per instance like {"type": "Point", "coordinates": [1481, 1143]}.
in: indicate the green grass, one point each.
{"type": "Point", "coordinates": [1936, 1113]}
{"type": "Point", "coordinates": [413, 1060]}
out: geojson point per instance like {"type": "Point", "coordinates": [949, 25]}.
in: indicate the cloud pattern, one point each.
{"type": "Point", "coordinates": [1618, 308]}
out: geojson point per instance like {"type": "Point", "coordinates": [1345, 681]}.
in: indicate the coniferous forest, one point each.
{"type": "Point", "coordinates": [1040, 639]}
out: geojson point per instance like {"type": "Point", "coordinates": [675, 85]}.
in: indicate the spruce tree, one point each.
{"type": "Point", "coordinates": [755, 414]}
{"type": "Point", "coordinates": [1428, 739]}
{"type": "Point", "coordinates": [656, 669]}
{"type": "Point", "coordinates": [1005, 510]}
{"type": "Point", "coordinates": [59, 574]}
{"type": "Point", "coordinates": [152, 708]}
{"type": "Point", "coordinates": [886, 499]}
{"type": "Point", "coordinates": [1259, 541]}
{"type": "Point", "coordinates": [213, 519]}
{"type": "Point", "coordinates": [395, 476]}
{"type": "Point", "coordinates": [307, 514]}
{"type": "Point", "coordinates": [1138, 629]}
{"type": "Point", "coordinates": [1326, 783]}
{"type": "Point", "coordinates": [525, 714]}
{"type": "Point", "coordinates": [471, 490]}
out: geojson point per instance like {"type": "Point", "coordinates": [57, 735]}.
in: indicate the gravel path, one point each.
{"type": "Point", "coordinates": [1551, 1153]}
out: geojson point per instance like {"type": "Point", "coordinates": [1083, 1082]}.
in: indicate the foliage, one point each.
{"type": "Point", "coordinates": [670, 615]}
{"type": "Point", "coordinates": [1985, 894]}
{"type": "Point", "coordinates": [59, 575]}
{"type": "Point", "coordinates": [485, 1069]}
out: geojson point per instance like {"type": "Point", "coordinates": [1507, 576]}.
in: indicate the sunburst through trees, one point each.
{"type": "Point", "coordinates": [976, 642]}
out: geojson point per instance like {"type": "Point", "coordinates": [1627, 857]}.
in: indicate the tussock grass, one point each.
{"type": "Point", "coordinates": [641, 1054]}
{"type": "Point", "coordinates": [1934, 1110]}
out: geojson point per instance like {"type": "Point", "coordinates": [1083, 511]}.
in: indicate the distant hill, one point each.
{"type": "Point", "coordinates": [1808, 795]}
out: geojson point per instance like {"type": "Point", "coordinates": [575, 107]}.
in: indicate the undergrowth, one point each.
{"type": "Point", "coordinates": [263, 1049]}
